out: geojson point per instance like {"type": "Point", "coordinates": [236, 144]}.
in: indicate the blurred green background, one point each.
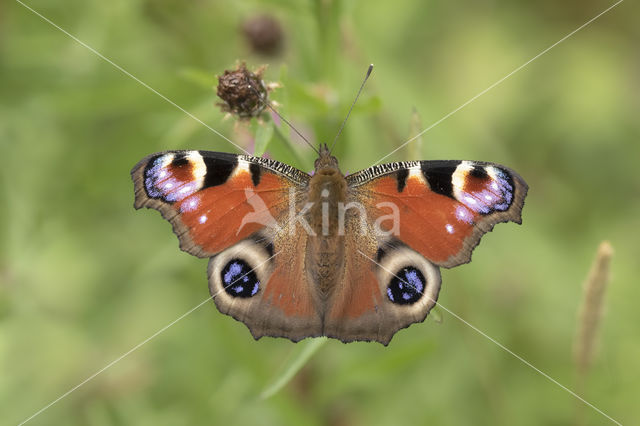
{"type": "Point", "coordinates": [84, 277]}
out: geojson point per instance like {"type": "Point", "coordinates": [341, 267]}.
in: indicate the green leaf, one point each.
{"type": "Point", "coordinates": [299, 357]}
{"type": "Point", "coordinates": [435, 314]}
{"type": "Point", "coordinates": [263, 135]}
{"type": "Point", "coordinates": [198, 77]}
{"type": "Point", "coordinates": [414, 149]}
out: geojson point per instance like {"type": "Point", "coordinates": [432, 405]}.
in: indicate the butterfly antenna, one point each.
{"type": "Point", "coordinates": [268, 105]}
{"type": "Point", "coordinates": [366, 77]}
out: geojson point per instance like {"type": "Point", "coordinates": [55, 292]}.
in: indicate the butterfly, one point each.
{"type": "Point", "coordinates": [299, 255]}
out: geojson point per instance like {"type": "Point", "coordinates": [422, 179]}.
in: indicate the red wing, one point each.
{"type": "Point", "coordinates": [443, 207]}
{"type": "Point", "coordinates": [212, 199]}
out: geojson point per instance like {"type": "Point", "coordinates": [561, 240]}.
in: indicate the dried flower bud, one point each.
{"type": "Point", "coordinates": [241, 91]}
{"type": "Point", "coordinates": [264, 34]}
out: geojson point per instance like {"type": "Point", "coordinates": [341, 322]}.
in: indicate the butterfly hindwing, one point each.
{"type": "Point", "coordinates": [262, 282]}
{"type": "Point", "coordinates": [386, 286]}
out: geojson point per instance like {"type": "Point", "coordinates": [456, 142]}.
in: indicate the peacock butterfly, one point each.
{"type": "Point", "coordinates": [353, 257]}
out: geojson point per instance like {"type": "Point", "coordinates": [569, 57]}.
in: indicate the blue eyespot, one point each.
{"type": "Point", "coordinates": [406, 286]}
{"type": "Point", "coordinates": [239, 279]}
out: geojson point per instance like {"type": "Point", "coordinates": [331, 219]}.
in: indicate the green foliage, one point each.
{"type": "Point", "coordinates": [263, 134]}
{"type": "Point", "coordinates": [84, 278]}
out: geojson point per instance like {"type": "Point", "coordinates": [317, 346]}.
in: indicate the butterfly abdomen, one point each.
{"type": "Point", "coordinates": [325, 245]}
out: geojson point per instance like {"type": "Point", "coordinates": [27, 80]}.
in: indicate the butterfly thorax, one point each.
{"type": "Point", "coordinates": [325, 247]}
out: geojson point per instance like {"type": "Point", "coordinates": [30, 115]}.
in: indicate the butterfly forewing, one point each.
{"type": "Point", "coordinates": [444, 206]}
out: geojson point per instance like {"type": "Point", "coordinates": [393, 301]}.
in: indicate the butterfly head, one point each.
{"type": "Point", "coordinates": [326, 163]}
